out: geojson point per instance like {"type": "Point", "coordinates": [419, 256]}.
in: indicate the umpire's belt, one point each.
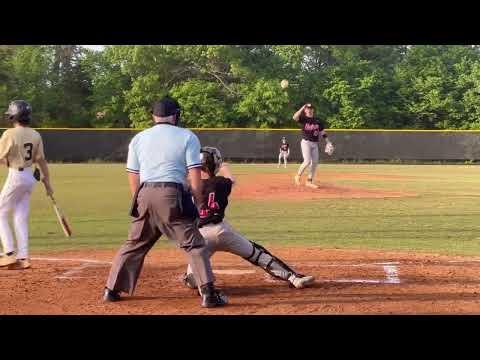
{"type": "Point", "coordinates": [163, 185]}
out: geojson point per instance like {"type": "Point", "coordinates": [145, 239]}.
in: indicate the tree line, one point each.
{"type": "Point", "coordinates": [352, 87]}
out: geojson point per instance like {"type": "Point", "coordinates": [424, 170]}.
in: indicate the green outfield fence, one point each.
{"type": "Point", "coordinates": [261, 145]}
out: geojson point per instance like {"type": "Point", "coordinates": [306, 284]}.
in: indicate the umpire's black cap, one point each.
{"type": "Point", "coordinates": [166, 107]}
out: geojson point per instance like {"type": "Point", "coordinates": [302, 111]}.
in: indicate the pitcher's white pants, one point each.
{"type": "Point", "coordinates": [15, 196]}
{"type": "Point", "coordinates": [310, 158]}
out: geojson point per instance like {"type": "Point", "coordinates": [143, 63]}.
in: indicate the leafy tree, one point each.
{"type": "Point", "coordinates": [357, 86]}
{"type": "Point", "coordinates": [108, 86]}
{"type": "Point", "coordinates": [429, 88]}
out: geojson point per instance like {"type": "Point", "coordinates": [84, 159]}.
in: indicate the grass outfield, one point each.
{"type": "Point", "coordinates": [443, 218]}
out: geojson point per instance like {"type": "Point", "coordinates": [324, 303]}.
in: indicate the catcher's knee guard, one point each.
{"type": "Point", "coordinates": [268, 262]}
{"type": "Point", "coordinates": [189, 281]}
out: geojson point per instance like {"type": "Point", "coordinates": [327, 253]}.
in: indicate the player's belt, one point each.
{"type": "Point", "coordinates": [163, 185]}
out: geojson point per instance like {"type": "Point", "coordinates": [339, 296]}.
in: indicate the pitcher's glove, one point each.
{"type": "Point", "coordinates": [329, 148]}
{"type": "Point", "coordinates": [36, 174]}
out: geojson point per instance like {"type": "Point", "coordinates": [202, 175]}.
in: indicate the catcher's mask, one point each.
{"type": "Point", "coordinates": [211, 160]}
{"type": "Point", "coordinates": [19, 111]}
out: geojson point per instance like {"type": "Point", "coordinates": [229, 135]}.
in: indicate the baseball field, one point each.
{"type": "Point", "coordinates": [380, 239]}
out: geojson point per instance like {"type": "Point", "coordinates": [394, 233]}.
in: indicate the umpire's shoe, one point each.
{"type": "Point", "coordinates": [111, 296]}
{"type": "Point", "coordinates": [212, 297]}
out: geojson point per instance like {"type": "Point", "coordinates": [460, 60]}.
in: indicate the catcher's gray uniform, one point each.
{"type": "Point", "coordinates": [220, 236]}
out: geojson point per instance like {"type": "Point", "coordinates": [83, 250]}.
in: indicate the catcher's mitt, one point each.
{"type": "Point", "coordinates": [329, 148]}
{"type": "Point", "coordinates": [36, 174]}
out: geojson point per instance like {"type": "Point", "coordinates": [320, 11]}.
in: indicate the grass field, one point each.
{"type": "Point", "coordinates": [443, 218]}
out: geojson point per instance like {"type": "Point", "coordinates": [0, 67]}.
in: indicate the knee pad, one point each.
{"type": "Point", "coordinates": [271, 264]}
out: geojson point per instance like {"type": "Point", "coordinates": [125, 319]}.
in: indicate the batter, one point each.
{"type": "Point", "coordinates": [20, 148]}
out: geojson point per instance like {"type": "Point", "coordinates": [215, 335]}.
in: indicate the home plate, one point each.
{"type": "Point", "coordinates": [234, 272]}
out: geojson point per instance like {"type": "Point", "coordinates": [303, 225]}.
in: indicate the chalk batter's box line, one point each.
{"type": "Point", "coordinates": [389, 268]}
{"type": "Point", "coordinates": [349, 265]}
{"type": "Point", "coordinates": [392, 276]}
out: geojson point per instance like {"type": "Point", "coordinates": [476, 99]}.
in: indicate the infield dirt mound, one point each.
{"type": "Point", "coordinates": [347, 282]}
{"type": "Point", "coordinates": [282, 187]}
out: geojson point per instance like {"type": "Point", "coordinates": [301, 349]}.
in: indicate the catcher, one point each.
{"type": "Point", "coordinates": [220, 236]}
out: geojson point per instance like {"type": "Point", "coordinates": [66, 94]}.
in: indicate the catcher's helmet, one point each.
{"type": "Point", "coordinates": [211, 159]}
{"type": "Point", "coordinates": [19, 110]}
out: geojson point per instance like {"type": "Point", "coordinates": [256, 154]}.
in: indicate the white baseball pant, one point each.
{"type": "Point", "coordinates": [310, 158]}
{"type": "Point", "coordinates": [15, 196]}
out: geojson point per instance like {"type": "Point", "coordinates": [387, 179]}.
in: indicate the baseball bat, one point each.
{"type": "Point", "coordinates": [61, 218]}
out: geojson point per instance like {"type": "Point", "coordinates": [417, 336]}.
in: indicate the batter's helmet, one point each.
{"type": "Point", "coordinates": [19, 110]}
{"type": "Point", "coordinates": [211, 159]}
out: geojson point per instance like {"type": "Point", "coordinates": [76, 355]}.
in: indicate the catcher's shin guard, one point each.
{"type": "Point", "coordinates": [268, 262]}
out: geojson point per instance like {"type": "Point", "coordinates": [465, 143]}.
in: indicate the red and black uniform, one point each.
{"type": "Point", "coordinates": [215, 197]}
{"type": "Point", "coordinates": [284, 147]}
{"type": "Point", "coordinates": [311, 128]}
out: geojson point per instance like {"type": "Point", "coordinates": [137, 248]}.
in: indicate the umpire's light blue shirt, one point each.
{"type": "Point", "coordinates": [163, 153]}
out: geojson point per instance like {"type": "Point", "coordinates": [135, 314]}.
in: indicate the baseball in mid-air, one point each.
{"type": "Point", "coordinates": [284, 84]}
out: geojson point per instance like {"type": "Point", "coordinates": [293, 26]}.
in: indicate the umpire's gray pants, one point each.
{"type": "Point", "coordinates": [159, 213]}
{"type": "Point", "coordinates": [310, 158]}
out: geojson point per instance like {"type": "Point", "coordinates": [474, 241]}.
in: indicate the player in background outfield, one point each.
{"type": "Point", "coordinates": [312, 128]}
{"type": "Point", "coordinates": [20, 147]}
{"type": "Point", "coordinates": [220, 236]}
{"type": "Point", "coordinates": [284, 152]}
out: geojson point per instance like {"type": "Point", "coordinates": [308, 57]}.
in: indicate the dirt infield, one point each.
{"type": "Point", "coordinates": [281, 187]}
{"type": "Point", "coordinates": [347, 282]}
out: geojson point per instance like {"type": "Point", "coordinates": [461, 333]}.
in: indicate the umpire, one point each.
{"type": "Point", "coordinates": [159, 159]}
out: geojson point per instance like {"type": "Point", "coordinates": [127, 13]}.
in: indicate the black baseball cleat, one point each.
{"type": "Point", "coordinates": [212, 297]}
{"type": "Point", "coordinates": [111, 296]}
{"type": "Point", "coordinates": [189, 281]}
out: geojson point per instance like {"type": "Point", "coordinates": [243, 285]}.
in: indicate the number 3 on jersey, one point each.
{"type": "Point", "coordinates": [29, 147]}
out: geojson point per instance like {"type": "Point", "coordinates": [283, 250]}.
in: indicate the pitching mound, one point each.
{"type": "Point", "coordinates": [281, 186]}
{"type": "Point", "coordinates": [347, 282]}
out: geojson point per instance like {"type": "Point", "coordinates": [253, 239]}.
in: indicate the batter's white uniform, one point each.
{"type": "Point", "coordinates": [20, 147]}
